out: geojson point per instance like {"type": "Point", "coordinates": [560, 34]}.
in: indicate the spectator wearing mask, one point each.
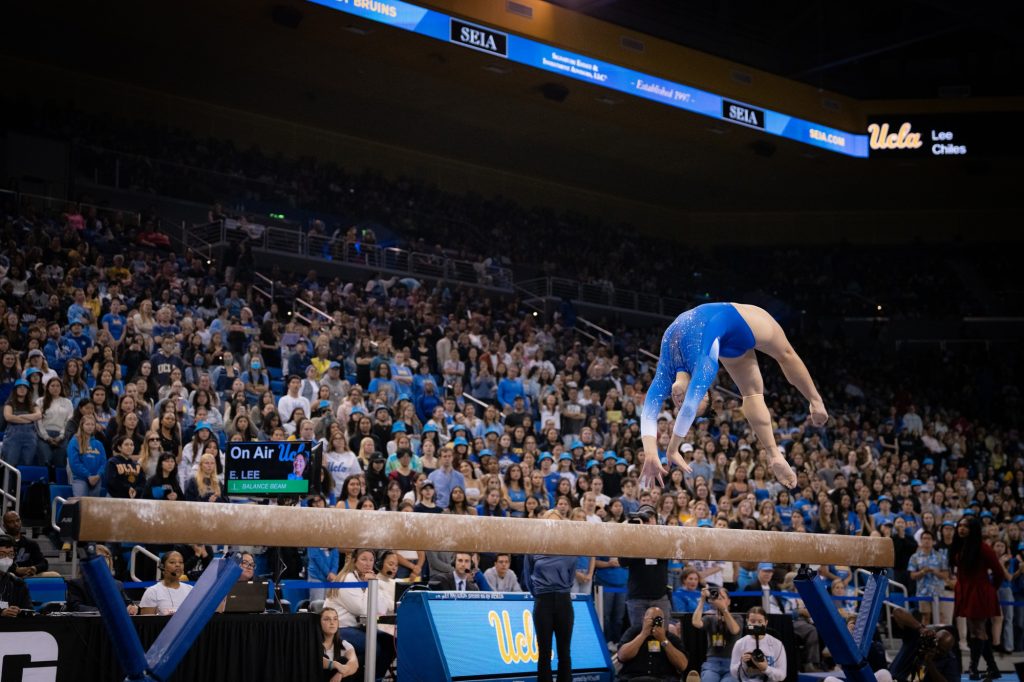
{"type": "Point", "coordinates": [13, 591]}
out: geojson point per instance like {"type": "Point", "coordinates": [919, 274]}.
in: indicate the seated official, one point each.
{"type": "Point", "coordinates": [650, 652]}
{"type": "Point", "coordinates": [338, 656]}
{"type": "Point", "coordinates": [80, 596]}
{"type": "Point", "coordinates": [13, 590]}
{"type": "Point", "coordinates": [166, 597]}
{"type": "Point", "coordinates": [461, 580]}
{"type": "Point", "coordinates": [757, 656]}
{"type": "Point", "coordinates": [350, 603]}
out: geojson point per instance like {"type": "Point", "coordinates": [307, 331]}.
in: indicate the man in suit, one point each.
{"type": "Point", "coordinates": [461, 580]}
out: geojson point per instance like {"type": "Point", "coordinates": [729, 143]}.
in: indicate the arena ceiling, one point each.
{"type": "Point", "coordinates": [910, 49]}
{"type": "Point", "coordinates": [333, 71]}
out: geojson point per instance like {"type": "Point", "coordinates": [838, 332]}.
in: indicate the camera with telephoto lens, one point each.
{"type": "Point", "coordinates": [757, 632]}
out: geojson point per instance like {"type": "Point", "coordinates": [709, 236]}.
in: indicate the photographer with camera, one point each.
{"type": "Point", "coordinates": [649, 652]}
{"type": "Point", "coordinates": [929, 654]}
{"type": "Point", "coordinates": [758, 655]}
{"type": "Point", "coordinates": [722, 630]}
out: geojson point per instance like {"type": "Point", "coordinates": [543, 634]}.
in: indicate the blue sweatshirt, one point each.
{"type": "Point", "coordinates": [86, 462]}
{"type": "Point", "coordinates": [548, 573]}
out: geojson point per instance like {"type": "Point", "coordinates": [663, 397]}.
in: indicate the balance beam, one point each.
{"type": "Point", "coordinates": [100, 519]}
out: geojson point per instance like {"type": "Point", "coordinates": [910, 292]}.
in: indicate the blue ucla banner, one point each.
{"type": "Point", "coordinates": [580, 67]}
{"type": "Point", "coordinates": [489, 635]}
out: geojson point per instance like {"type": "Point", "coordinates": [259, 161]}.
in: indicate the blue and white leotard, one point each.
{"type": "Point", "coordinates": [692, 344]}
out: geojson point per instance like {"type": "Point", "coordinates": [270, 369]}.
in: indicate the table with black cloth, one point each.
{"type": "Point", "coordinates": [232, 647]}
{"type": "Point", "coordinates": [696, 641]}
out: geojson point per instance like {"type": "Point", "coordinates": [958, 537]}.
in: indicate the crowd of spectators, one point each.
{"type": "Point", "coordinates": [134, 367]}
{"type": "Point", "coordinates": [158, 159]}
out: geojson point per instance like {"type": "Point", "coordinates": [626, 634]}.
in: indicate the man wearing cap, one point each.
{"type": "Point", "coordinates": [611, 479]}
{"type": "Point", "coordinates": [77, 336]}
{"type": "Point", "coordinates": [884, 513]}
{"type": "Point", "coordinates": [647, 583]}
{"type": "Point", "coordinates": [333, 381]}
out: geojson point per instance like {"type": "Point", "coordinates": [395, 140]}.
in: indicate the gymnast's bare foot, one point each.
{"type": "Point", "coordinates": [784, 474]}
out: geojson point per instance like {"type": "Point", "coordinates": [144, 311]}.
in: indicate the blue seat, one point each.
{"type": "Point", "coordinates": [57, 490]}
{"type": "Point", "coordinates": [293, 595]}
{"type": "Point", "coordinates": [277, 386]}
{"type": "Point", "coordinates": [275, 373]}
{"type": "Point", "coordinates": [62, 476]}
{"type": "Point", "coordinates": [46, 590]}
{"type": "Point", "coordinates": [31, 474]}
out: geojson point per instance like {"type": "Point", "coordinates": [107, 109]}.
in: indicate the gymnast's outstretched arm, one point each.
{"type": "Point", "coordinates": [687, 391]}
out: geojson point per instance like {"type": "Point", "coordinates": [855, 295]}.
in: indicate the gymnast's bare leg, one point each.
{"type": "Point", "coordinates": [744, 370]}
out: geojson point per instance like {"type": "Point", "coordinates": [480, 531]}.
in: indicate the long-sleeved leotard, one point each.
{"type": "Point", "coordinates": [692, 344]}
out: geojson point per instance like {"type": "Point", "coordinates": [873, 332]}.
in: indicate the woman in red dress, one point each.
{"type": "Point", "coordinates": [976, 600]}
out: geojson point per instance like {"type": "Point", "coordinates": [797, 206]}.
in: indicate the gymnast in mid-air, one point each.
{"type": "Point", "coordinates": [690, 350]}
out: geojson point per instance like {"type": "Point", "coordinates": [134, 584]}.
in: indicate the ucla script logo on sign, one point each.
{"type": "Point", "coordinates": [518, 648]}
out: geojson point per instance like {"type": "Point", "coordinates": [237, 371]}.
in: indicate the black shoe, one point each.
{"type": "Point", "coordinates": [974, 675]}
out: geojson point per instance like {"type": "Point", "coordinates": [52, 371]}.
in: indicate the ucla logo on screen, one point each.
{"type": "Point", "coordinates": [479, 38]}
{"type": "Point", "coordinates": [519, 647]}
{"type": "Point", "coordinates": [741, 113]}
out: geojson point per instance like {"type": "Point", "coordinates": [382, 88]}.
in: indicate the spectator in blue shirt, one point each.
{"type": "Point", "coordinates": [884, 513]}
{"type": "Point", "coordinates": [114, 321]}
{"type": "Point", "coordinates": [510, 387]}
{"type": "Point", "coordinates": [445, 478]}
{"type": "Point", "coordinates": [87, 458]}
{"type": "Point", "coordinates": [321, 567]}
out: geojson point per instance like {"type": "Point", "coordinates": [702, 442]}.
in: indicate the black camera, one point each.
{"type": "Point", "coordinates": [636, 520]}
{"type": "Point", "coordinates": [757, 656]}
{"type": "Point", "coordinates": [658, 622]}
{"type": "Point", "coordinates": [713, 593]}
{"type": "Point", "coordinates": [757, 631]}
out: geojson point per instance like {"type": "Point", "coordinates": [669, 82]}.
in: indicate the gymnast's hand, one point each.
{"type": "Point", "coordinates": [652, 472]}
{"type": "Point", "coordinates": [818, 414]}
